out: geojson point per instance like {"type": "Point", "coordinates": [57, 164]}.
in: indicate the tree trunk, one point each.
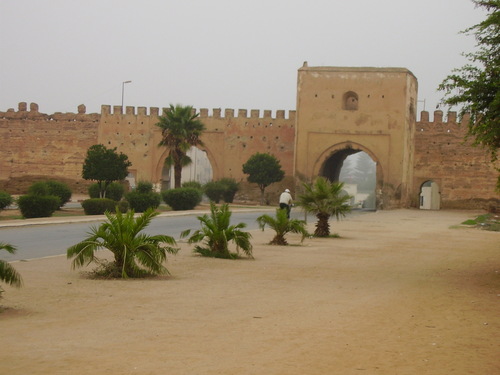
{"type": "Point", "coordinates": [322, 226]}
{"type": "Point", "coordinates": [262, 190]}
{"type": "Point", "coordinates": [177, 175]}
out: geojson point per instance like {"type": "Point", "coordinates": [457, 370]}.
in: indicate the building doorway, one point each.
{"type": "Point", "coordinates": [430, 197]}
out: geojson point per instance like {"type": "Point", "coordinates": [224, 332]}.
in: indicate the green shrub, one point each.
{"type": "Point", "coordinates": [214, 191]}
{"type": "Point", "coordinates": [61, 190]}
{"type": "Point", "coordinates": [98, 206]}
{"type": "Point", "coordinates": [140, 202]}
{"type": "Point", "coordinates": [114, 191]}
{"type": "Point", "coordinates": [5, 200]}
{"type": "Point", "coordinates": [230, 188]}
{"type": "Point", "coordinates": [39, 188]}
{"type": "Point", "coordinates": [33, 205]}
{"type": "Point", "coordinates": [182, 198]}
{"type": "Point", "coordinates": [144, 187]}
{"type": "Point", "coordinates": [192, 184]}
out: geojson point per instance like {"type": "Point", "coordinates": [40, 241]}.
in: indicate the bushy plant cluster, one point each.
{"type": "Point", "coordinates": [224, 189]}
{"type": "Point", "coordinates": [143, 197]}
{"type": "Point", "coordinates": [98, 206]}
{"type": "Point", "coordinates": [182, 198]}
{"type": "Point", "coordinates": [43, 199]}
{"type": "Point", "coordinates": [114, 191]}
{"type": "Point", "coordinates": [5, 200]}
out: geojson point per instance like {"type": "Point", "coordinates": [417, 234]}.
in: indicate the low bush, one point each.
{"type": "Point", "coordinates": [140, 202]}
{"type": "Point", "coordinates": [59, 189]}
{"type": "Point", "coordinates": [214, 190]}
{"type": "Point", "coordinates": [230, 188]}
{"type": "Point", "coordinates": [114, 191]}
{"type": "Point", "coordinates": [182, 198]}
{"type": "Point", "coordinates": [5, 200]}
{"type": "Point", "coordinates": [34, 205]}
{"type": "Point", "coordinates": [192, 184]}
{"type": "Point", "coordinates": [98, 206]}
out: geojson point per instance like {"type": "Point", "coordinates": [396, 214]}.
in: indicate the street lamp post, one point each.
{"type": "Point", "coordinates": [123, 90]}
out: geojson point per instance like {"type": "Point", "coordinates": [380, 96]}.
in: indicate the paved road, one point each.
{"type": "Point", "coordinates": [37, 241]}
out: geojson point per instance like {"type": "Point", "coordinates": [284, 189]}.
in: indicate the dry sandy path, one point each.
{"type": "Point", "coordinates": [399, 293]}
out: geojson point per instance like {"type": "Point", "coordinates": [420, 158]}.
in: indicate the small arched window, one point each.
{"type": "Point", "coordinates": [350, 101]}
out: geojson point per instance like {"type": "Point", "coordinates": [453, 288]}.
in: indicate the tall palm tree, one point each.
{"type": "Point", "coordinates": [8, 274]}
{"type": "Point", "coordinates": [180, 130]}
{"type": "Point", "coordinates": [136, 253]}
{"type": "Point", "coordinates": [217, 233]}
{"type": "Point", "coordinates": [282, 225]}
{"type": "Point", "coordinates": [324, 199]}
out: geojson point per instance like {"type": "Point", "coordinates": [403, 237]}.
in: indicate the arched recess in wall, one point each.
{"type": "Point", "coordinates": [366, 177]}
{"type": "Point", "coordinates": [162, 174]}
{"type": "Point", "coordinates": [430, 196]}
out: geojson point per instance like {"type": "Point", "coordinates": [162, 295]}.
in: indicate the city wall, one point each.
{"type": "Point", "coordinates": [37, 146]}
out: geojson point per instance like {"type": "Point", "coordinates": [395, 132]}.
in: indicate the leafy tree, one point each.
{"type": "Point", "coordinates": [135, 253]}
{"type": "Point", "coordinates": [282, 225]}
{"type": "Point", "coordinates": [476, 86]}
{"type": "Point", "coordinates": [263, 169]}
{"type": "Point", "coordinates": [217, 233]}
{"type": "Point", "coordinates": [324, 199]}
{"type": "Point", "coordinates": [5, 199]}
{"type": "Point", "coordinates": [180, 130]}
{"type": "Point", "coordinates": [105, 166]}
{"type": "Point", "coordinates": [8, 274]}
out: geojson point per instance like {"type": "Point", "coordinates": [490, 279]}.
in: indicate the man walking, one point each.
{"type": "Point", "coordinates": [286, 202]}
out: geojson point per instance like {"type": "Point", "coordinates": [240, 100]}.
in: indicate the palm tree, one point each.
{"type": "Point", "coordinates": [282, 225]}
{"type": "Point", "coordinates": [135, 254]}
{"type": "Point", "coordinates": [217, 234]}
{"type": "Point", "coordinates": [181, 130]}
{"type": "Point", "coordinates": [324, 199]}
{"type": "Point", "coordinates": [8, 274]}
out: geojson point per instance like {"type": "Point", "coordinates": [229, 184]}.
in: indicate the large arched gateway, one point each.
{"type": "Point", "coordinates": [341, 111]}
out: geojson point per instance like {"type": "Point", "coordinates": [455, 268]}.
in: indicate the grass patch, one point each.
{"type": "Point", "coordinates": [489, 222]}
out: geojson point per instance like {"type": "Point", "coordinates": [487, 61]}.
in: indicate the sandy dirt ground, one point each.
{"type": "Point", "coordinates": [401, 292]}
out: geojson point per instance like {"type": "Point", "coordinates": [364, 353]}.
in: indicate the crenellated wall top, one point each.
{"type": "Point", "coordinates": [34, 114]}
{"type": "Point", "coordinates": [439, 125]}
{"type": "Point", "coordinates": [108, 110]}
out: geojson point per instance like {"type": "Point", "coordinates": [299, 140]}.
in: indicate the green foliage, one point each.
{"type": "Point", "coordinates": [214, 190]}
{"type": "Point", "coordinates": [105, 166]}
{"type": "Point", "coordinates": [5, 200]}
{"type": "Point", "coordinates": [476, 86]}
{"type": "Point", "coordinates": [180, 129]}
{"type": "Point", "coordinates": [140, 202]}
{"type": "Point", "coordinates": [263, 169]}
{"type": "Point", "coordinates": [144, 187]}
{"type": "Point", "coordinates": [324, 199]}
{"type": "Point", "coordinates": [114, 191]}
{"type": "Point", "coordinates": [136, 254]}
{"type": "Point", "coordinates": [192, 184]}
{"type": "Point", "coordinates": [32, 205]}
{"type": "Point", "coordinates": [59, 189]}
{"type": "Point", "coordinates": [182, 198]}
{"type": "Point", "coordinates": [282, 225]}
{"type": "Point", "coordinates": [8, 274]}
{"type": "Point", "coordinates": [39, 188]}
{"type": "Point", "coordinates": [230, 188]}
{"type": "Point", "coordinates": [487, 222]}
{"type": "Point", "coordinates": [216, 233]}
{"type": "Point", "coordinates": [98, 206]}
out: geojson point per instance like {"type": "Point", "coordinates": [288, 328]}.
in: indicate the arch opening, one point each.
{"type": "Point", "coordinates": [430, 196]}
{"type": "Point", "coordinates": [358, 171]}
{"type": "Point", "coordinates": [200, 170]}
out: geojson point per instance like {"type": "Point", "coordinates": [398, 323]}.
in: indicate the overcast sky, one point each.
{"type": "Point", "coordinates": [216, 53]}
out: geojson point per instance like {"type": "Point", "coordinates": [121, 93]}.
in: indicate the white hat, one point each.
{"type": "Point", "coordinates": [286, 190]}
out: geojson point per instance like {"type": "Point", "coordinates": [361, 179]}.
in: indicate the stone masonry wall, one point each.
{"type": "Point", "coordinates": [464, 173]}
{"type": "Point", "coordinates": [37, 146]}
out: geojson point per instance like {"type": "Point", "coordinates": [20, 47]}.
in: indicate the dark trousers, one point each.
{"type": "Point", "coordinates": [287, 207]}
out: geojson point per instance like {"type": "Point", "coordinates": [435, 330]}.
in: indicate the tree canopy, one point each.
{"type": "Point", "coordinates": [476, 86]}
{"type": "Point", "coordinates": [180, 129]}
{"type": "Point", "coordinates": [263, 169]}
{"type": "Point", "coordinates": [105, 165]}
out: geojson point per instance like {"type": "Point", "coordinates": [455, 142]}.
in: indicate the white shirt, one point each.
{"type": "Point", "coordinates": [285, 198]}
